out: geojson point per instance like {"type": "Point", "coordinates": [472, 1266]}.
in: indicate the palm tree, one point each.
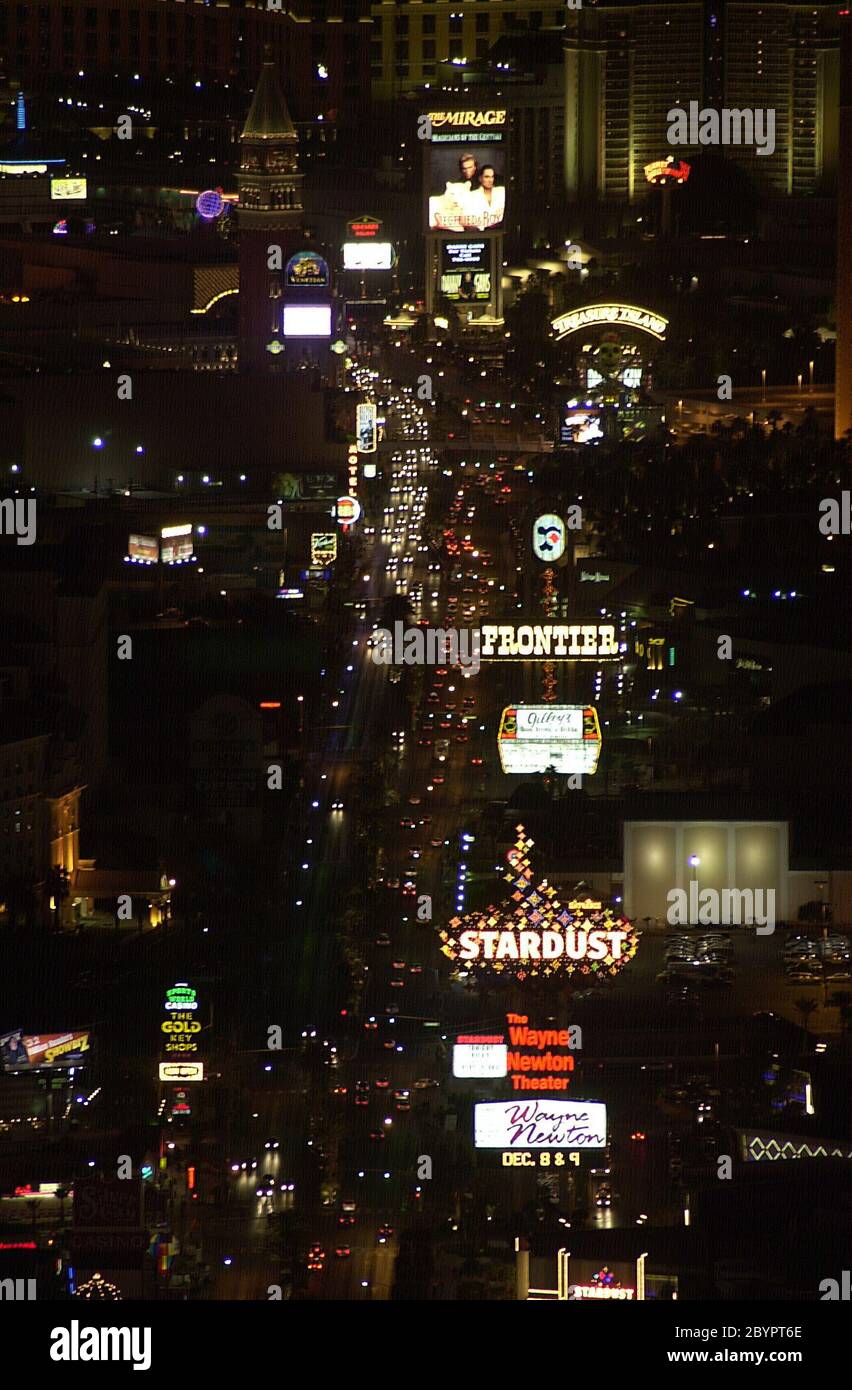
{"type": "Point", "coordinates": [805, 1007]}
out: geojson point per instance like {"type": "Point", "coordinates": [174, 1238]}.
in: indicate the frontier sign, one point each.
{"type": "Point", "coordinates": [625, 315]}
{"type": "Point", "coordinates": [552, 641]}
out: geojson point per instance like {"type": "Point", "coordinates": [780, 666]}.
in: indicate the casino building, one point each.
{"type": "Point", "coordinates": [588, 91]}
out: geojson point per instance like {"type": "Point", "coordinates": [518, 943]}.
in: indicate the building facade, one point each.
{"type": "Point", "coordinates": [40, 790]}
{"type": "Point", "coordinates": [590, 88]}
{"type": "Point", "coordinates": [410, 39]}
{"type": "Point", "coordinates": [270, 217]}
{"type": "Point", "coordinates": [321, 47]}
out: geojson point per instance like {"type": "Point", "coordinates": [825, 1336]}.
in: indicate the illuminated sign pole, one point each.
{"type": "Point", "coordinates": [464, 177]}
{"type": "Point", "coordinates": [665, 174]}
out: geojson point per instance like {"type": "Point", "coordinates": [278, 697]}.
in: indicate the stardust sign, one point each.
{"type": "Point", "coordinates": [550, 641]}
{"type": "Point", "coordinates": [625, 315]}
{"type": "Point", "coordinates": [539, 1124]}
{"type": "Point", "coordinates": [480, 1055]}
{"type": "Point", "coordinates": [595, 945]}
{"type": "Point", "coordinates": [533, 738]}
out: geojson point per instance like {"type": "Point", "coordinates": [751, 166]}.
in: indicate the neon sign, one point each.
{"type": "Point", "coordinates": [669, 170]}
{"type": "Point", "coordinates": [532, 934]}
{"type": "Point", "coordinates": [181, 997]}
{"type": "Point", "coordinates": [626, 314]}
{"type": "Point", "coordinates": [559, 641]}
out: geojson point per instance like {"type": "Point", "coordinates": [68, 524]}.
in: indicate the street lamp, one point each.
{"type": "Point", "coordinates": [694, 863]}
{"type": "Point", "coordinates": [811, 375]}
{"type": "Point", "coordinates": [763, 384]}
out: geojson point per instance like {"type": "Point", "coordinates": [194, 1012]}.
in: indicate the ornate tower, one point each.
{"type": "Point", "coordinates": [270, 217]}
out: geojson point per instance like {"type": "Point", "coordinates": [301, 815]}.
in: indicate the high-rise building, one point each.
{"type": "Point", "coordinates": [625, 65]}
{"type": "Point", "coordinates": [628, 65]}
{"type": "Point", "coordinates": [321, 46]}
{"type": "Point", "coordinates": [270, 217]}
{"type": "Point", "coordinates": [411, 38]}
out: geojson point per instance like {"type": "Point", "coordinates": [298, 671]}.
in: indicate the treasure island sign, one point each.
{"type": "Point", "coordinates": [625, 315]}
{"type": "Point", "coordinates": [532, 935]}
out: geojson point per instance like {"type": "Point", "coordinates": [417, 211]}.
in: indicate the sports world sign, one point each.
{"type": "Point", "coordinates": [181, 1026]}
{"type": "Point", "coordinates": [624, 315]}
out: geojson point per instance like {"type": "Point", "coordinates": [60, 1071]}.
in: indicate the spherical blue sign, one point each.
{"type": "Point", "coordinates": [210, 204]}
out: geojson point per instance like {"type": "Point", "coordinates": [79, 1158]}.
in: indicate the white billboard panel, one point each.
{"type": "Point", "coordinates": [539, 1124]}
{"type": "Point", "coordinates": [367, 255]}
{"type": "Point", "coordinates": [481, 1060]}
{"type": "Point", "coordinates": [366, 427]}
{"type": "Point", "coordinates": [307, 320]}
{"type": "Point", "coordinates": [533, 738]}
{"type": "Point", "coordinates": [181, 1071]}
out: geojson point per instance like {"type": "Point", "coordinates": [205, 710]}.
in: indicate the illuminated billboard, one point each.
{"type": "Point", "coordinates": [466, 270]}
{"type": "Point", "coordinates": [482, 1056]}
{"type": "Point", "coordinates": [180, 1027]}
{"type": "Point", "coordinates": [532, 935]}
{"type": "Point", "coordinates": [176, 544]}
{"type": "Point", "coordinates": [669, 170]}
{"type": "Point", "coordinates": [368, 255]}
{"type": "Point", "coordinates": [66, 190]}
{"type": "Point", "coordinates": [467, 286]}
{"type": "Point", "coordinates": [210, 204]}
{"type": "Point", "coordinates": [626, 315]}
{"type": "Point", "coordinates": [181, 1071]}
{"type": "Point", "coordinates": [465, 171]}
{"type": "Point", "coordinates": [533, 738]}
{"type": "Point", "coordinates": [365, 427]}
{"type": "Point", "coordinates": [548, 538]}
{"type": "Point", "coordinates": [307, 320]}
{"type": "Point", "coordinates": [539, 1124]}
{"type": "Point", "coordinates": [144, 548]}
{"type": "Point", "coordinates": [323, 547]}
{"type": "Point", "coordinates": [347, 510]}
{"type": "Point", "coordinates": [307, 268]}
{"type": "Point", "coordinates": [549, 642]}
{"type": "Point", "coordinates": [364, 228]}
{"type": "Point", "coordinates": [465, 255]}
{"type": "Point", "coordinates": [580, 426]}
{"type": "Point", "coordinates": [22, 1051]}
